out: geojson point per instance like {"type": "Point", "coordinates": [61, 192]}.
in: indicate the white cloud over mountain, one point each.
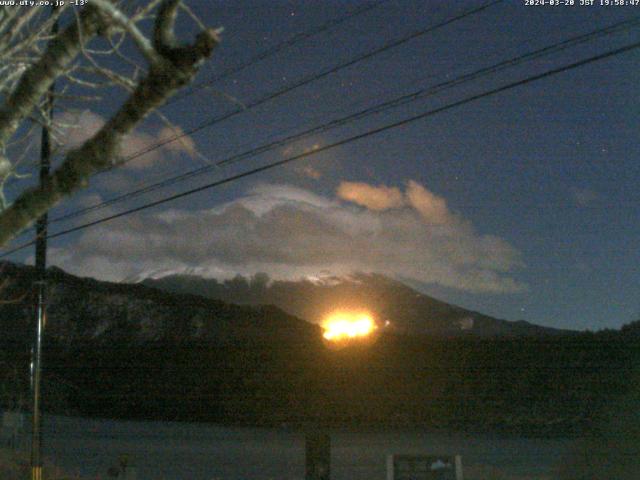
{"type": "Point", "coordinates": [290, 232]}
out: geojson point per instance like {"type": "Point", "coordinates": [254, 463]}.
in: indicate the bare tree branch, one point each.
{"type": "Point", "coordinates": [121, 19]}
{"type": "Point", "coordinates": [36, 80]}
{"type": "Point", "coordinates": [171, 67]}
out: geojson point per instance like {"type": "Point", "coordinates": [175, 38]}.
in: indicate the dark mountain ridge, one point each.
{"type": "Point", "coordinates": [406, 310]}
{"type": "Point", "coordinates": [131, 351]}
{"type": "Point", "coordinates": [87, 310]}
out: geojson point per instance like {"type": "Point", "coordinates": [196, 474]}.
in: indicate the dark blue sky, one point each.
{"type": "Point", "coordinates": [534, 190]}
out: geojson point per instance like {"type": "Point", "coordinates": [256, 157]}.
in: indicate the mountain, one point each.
{"type": "Point", "coordinates": [82, 310]}
{"type": "Point", "coordinates": [132, 351]}
{"type": "Point", "coordinates": [401, 308]}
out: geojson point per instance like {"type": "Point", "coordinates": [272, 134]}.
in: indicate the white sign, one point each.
{"type": "Point", "coordinates": [424, 467]}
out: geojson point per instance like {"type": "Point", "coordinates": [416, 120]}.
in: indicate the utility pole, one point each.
{"type": "Point", "coordinates": [41, 290]}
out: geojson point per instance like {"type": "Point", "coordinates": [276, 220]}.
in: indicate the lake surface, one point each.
{"type": "Point", "coordinates": [173, 451]}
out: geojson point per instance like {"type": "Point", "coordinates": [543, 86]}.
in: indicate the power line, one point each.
{"type": "Point", "coordinates": [378, 108]}
{"type": "Point", "coordinates": [303, 82]}
{"type": "Point", "coordinates": [278, 48]}
{"type": "Point", "coordinates": [269, 52]}
{"type": "Point", "coordinates": [345, 141]}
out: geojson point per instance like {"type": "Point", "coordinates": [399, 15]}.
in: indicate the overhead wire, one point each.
{"type": "Point", "coordinates": [387, 46]}
{"type": "Point", "coordinates": [276, 49]}
{"type": "Point", "coordinates": [368, 133]}
{"type": "Point", "coordinates": [293, 40]}
{"type": "Point", "coordinates": [378, 108]}
{"type": "Point", "coordinates": [305, 81]}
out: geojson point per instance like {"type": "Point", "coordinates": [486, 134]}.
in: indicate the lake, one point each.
{"type": "Point", "coordinates": [172, 450]}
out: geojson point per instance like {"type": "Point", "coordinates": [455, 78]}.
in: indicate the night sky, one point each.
{"type": "Point", "coordinates": [521, 205]}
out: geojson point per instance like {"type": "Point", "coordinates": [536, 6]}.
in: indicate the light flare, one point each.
{"type": "Point", "coordinates": [348, 325]}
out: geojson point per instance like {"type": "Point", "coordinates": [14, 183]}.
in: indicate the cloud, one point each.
{"type": "Point", "coordinates": [290, 232]}
{"type": "Point", "coordinates": [93, 205]}
{"type": "Point", "coordinates": [76, 128]}
{"type": "Point", "coordinates": [432, 208]}
{"type": "Point", "coordinates": [176, 140]}
{"type": "Point", "coordinates": [369, 196]}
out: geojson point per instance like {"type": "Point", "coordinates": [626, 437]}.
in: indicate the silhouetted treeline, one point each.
{"type": "Point", "coordinates": [548, 386]}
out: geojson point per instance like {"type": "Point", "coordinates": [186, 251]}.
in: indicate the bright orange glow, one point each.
{"type": "Point", "coordinates": [348, 325]}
